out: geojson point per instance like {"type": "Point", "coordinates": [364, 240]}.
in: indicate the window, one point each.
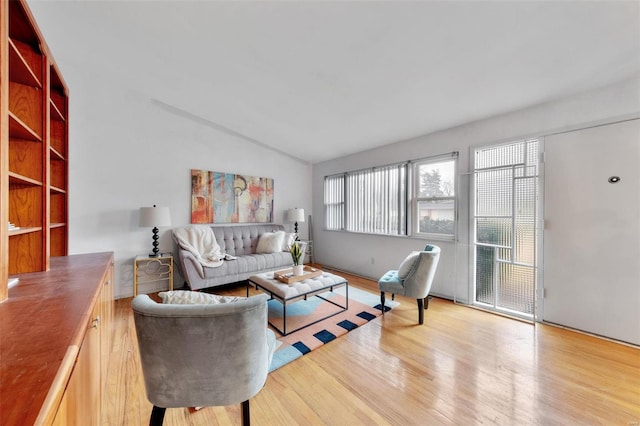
{"type": "Point", "coordinates": [334, 202]}
{"type": "Point", "coordinates": [434, 196]}
{"type": "Point", "coordinates": [375, 200]}
{"type": "Point", "coordinates": [371, 201]}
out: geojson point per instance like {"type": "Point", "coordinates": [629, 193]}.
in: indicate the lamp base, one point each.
{"type": "Point", "coordinates": [156, 251]}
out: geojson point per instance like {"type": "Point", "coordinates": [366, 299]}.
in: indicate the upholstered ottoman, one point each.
{"type": "Point", "coordinates": [300, 290]}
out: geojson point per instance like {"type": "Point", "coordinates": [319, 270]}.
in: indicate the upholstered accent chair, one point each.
{"type": "Point", "coordinates": [200, 350]}
{"type": "Point", "coordinates": [413, 278]}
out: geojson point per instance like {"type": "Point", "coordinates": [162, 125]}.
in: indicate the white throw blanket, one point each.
{"type": "Point", "coordinates": [201, 242]}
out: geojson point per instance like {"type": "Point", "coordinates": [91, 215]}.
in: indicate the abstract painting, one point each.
{"type": "Point", "coordinates": [230, 198]}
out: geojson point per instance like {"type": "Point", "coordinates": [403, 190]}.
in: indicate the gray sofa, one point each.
{"type": "Point", "coordinates": [239, 241]}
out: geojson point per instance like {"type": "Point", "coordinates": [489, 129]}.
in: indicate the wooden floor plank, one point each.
{"type": "Point", "coordinates": [463, 366]}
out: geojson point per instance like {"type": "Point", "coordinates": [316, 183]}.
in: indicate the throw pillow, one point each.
{"type": "Point", "coordinates": [407, 264]}
{"type": "Point", "coordinates": [289, 238]}
{"type": "Point", "coordinates": [270, 242]}
{"type": "Point", "coordinates": [183, 297]}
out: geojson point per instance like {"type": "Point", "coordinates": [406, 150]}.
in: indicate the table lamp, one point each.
{"type": "Point", "coordinates": [295, 215]}
{"type": "Point", "coordinates": [155, 217]}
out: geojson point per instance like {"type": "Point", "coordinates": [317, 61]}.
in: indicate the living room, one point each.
{"type": "Point", "coordinates": [139, 123]}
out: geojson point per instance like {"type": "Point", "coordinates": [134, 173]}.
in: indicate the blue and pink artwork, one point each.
{"type": "Point", "coordinates": [229, 198]}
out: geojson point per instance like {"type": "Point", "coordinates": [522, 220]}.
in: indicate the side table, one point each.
{"type": "Point", "coordinates": [150, 269]}
{"type": "Point", "coordinates": [308, 251]}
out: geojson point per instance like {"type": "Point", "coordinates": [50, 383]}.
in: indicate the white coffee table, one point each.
{"type": "Point", "coordinates": [300, 290]}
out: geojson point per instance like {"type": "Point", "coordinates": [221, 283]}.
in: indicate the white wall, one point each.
{"type": "Point", "coordinates": [126, 152]}
{"type": "Point", "coordinates": [371, 256]}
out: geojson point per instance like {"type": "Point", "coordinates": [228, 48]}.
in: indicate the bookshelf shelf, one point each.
{"type": "Point", "coordinates": [24, 230]}
{"type": "Point", "coordinates": [19, 130]}
{"type": "Point", "coordinates": [16, 180]}
{"type": "Point", "coordinates": [20, 70]}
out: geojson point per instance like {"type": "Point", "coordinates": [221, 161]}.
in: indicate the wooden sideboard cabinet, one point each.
{"type": "Point", "coordinates": [57, 335]}
{"type": "Point", "coordinates": [84, 398]}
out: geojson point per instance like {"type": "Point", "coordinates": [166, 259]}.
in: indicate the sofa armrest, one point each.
{"type": "Point", "coordinates": [190, 265]}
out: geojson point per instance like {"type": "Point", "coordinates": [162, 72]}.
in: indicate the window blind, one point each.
{"type": "Point", "coordinates": [370, 200]}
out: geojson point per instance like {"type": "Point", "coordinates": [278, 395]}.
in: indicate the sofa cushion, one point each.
{"type": "Point", "coordinates": [270, 242]}
{"type": "Point", "coordinates": [250, 264]}
{"type": "Point", "coordinates": [407, 264]}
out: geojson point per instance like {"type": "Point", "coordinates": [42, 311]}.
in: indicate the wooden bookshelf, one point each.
{"type": "Point", "coordinates": [33, 148]}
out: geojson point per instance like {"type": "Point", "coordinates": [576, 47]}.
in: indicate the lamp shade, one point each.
{"type": "Point", "coordinates": [155, 216]}
{"type": "Point", "coordinates": [295, 215]}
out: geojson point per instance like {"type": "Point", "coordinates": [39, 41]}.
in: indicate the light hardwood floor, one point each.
{"type": "Point", "coordinates": [462, 367]}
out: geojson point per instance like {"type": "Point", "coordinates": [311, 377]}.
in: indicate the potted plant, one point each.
{"type": "Point", "coordinates": [296, 255]}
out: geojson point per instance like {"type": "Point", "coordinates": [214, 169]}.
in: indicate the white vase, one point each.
{"type": "Point", "coordinates": [298, 270]}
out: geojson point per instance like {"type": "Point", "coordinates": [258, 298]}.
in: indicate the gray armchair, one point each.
{"type": "Point", "coordinates": [199, 355]}
{"type": "Point", "coordinates": [413, 279]}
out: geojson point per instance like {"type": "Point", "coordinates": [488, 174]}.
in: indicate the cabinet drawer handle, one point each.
{"type": "Point", "coordinates": [95, 322]}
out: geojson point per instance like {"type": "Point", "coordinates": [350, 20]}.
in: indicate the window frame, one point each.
{"type": "Point", "coordinates": [416, 198]}
{"type": "Point", "coordinates": [410, 197]}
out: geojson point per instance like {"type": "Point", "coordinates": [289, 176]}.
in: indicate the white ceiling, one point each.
{"type": "Point", "coordinates": [320, 80]}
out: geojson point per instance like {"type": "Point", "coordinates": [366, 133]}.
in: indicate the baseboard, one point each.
{"type": "Point", "coordinates": [598, 336]}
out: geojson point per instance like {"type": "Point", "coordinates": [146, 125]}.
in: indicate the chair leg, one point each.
{"type": "Point", "coordinates": [426, 302]}
{"type": "Point", "coordinates": [246, 417]}
{"type": "Point", "coordinates": [382, 301]}
{"type": "Point", "coordinates": [421, 311]}
{"type": "Point", "coordinates": [157, 416]}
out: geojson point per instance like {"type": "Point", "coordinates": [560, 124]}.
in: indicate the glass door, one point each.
{"type": "Point", "coordinates": [505, 227]}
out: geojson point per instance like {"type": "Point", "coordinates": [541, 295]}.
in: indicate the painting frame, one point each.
{"type": "Point", "coordinates": [219, 197]}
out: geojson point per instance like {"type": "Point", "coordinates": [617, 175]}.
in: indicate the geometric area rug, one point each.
{"type": "Point", "coordinates": [363, 307]}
